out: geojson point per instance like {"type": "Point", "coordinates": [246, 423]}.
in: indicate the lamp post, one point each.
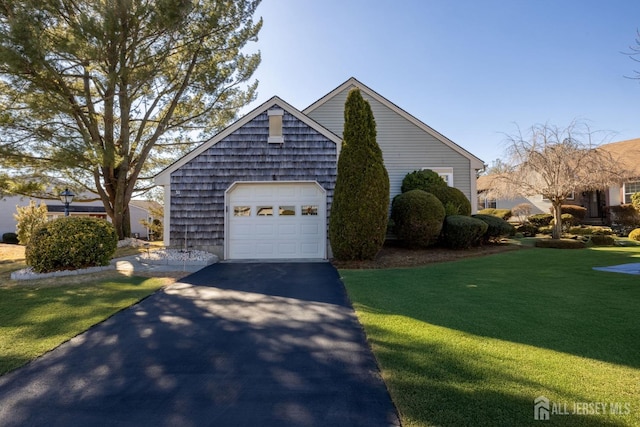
{"type": "Point", "coordinates": [67, 197]}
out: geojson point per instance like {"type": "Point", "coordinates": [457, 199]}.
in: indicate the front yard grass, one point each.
{"type": "Point", "coordinates": [474, 342]}
{"type": "Point", "coordinates": [37, 318]}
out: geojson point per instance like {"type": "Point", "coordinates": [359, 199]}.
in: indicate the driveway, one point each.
{"type": "Point", "coordinates": [234, 344]}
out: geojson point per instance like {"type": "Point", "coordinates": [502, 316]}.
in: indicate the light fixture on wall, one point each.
{"type": "Point", "coordinates": [67, 197]}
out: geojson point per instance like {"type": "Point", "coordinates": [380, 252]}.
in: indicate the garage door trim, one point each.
{"type": "Point", "coordinates": [228, 212]}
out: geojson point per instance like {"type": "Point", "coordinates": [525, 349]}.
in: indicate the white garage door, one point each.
{"type": "Point", "coordinates": [276, 220]}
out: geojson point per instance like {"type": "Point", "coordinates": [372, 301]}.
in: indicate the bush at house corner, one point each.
{"type": "Point", "coordinates": [71, 243]}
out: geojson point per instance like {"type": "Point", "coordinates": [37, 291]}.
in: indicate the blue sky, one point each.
{"type": "Point", "coordinates": [472, 70]}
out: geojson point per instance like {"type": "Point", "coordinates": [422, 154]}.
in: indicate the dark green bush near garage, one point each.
{"type": "Point", "coordinates": [461, 231]}
{"type": "Point", "coordinates": [453, 200]}
{"type": "Point", "coordinates": [421, 180]}
{"type": "Point", "coordinates": [71, 243]}
{"type": "Point", "coordinates": [10, 238]}
{"type": "Point", "coordinates": [527, 230]}
{"type": "Point", "coordinates": [497, 228]}
{"type": "Point", "coordinates": [417, 218]}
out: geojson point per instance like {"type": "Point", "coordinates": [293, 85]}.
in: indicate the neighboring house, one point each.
{"type": "Point", "coordinates": [262, 188]}
{"type": "Point", "coordinates": [140, 209]}
{"type": "Point", "coordinates": [626, 153]}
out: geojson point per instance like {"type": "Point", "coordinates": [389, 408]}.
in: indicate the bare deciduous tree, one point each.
{"type": "Point", "coordinates": [555, 162]}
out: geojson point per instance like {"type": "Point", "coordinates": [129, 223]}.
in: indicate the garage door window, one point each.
{"type": "Point", "coordinates": [242, 211]}
{"type": "Point", "coordinates": [265, 210]}
{"type": "Point", "coordinates": [309, 210]}
{"type": "Point", "coordinates": [286, 210]}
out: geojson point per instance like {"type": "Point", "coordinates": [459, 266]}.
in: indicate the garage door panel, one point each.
{"type": "Point", "coordinates": [285, 229]}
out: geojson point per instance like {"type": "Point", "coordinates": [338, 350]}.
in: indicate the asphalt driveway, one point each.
{"type": "Point", "coordinates": [234, 344]}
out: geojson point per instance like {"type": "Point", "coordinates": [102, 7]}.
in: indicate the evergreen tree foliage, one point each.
{"type": "Point", "coordinates": [102, 94]}
{"type": "Point", "coordinates": [360, 210]}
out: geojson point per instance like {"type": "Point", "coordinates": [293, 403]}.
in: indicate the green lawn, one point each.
{"type": "Point", "coordinates": [474, 342]}
{"type": "Point", "coordinates": [35, 319]}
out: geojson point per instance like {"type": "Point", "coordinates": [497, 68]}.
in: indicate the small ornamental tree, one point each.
{"type": "Point", "coordinates": [29, 218]}
{"type": "Point", "coordinates": [556, 162]}
{"type": "Point", "coordinates": [360, 210]}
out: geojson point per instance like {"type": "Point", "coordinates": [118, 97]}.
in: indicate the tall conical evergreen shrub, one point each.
{"type": "Point", "coordinates": [359, 214]}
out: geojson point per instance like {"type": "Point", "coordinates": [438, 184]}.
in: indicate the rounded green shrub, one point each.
{"type": "Point", "coordinates": [460, 231]}
{"type": "Point", "coordinates": [540, 220]}
{"type": "Point", "coordinates": [417, 217]}
{"type": "Point", "coordinates": [635, 235]}
{"type": "Point", "coordinates": [453, 200]}
{"type": "Point", "coordinates": [71, 243]}
{"type": "Point", "coordinates": [561, 244]}
{"type": "Point", "coordinates": [10, 238]}
{"type": "Point", "coordinates": [498, 228]}
{"type": "Point", "coordinates": [421, 180]}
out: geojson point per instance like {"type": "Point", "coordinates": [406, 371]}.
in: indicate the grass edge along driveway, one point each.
{"type": "Point", "coordinates": [35, 320]}
{"type": "Point", "coordinates": [474, 342]}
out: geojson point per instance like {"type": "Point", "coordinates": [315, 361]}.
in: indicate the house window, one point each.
{"type": "Point", "coordinates": [486, 203]}
{"type": "Point", "coordinates": [265, 210]}
{"type": "Point", "coordinates": [445, 173]}
{"type": "Point", "coordinates": [286, 210]}
{"type": "Point", "coordinates": [242, 211]}
{"type": "Point", "coordinates": [275, 126]}
{"type": "Point", "coordinates": [629, 189]}
{"type": "Point", "coordinates": [309, 210]}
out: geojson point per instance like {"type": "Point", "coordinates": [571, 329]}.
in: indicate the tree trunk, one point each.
{"type": "Point", "coordinates": [122, 222]}
{"type": "Point", "coordinates": [557, 219]}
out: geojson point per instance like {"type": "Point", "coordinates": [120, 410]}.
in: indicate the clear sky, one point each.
{"type": "Point", "coordinates": [471, 69]}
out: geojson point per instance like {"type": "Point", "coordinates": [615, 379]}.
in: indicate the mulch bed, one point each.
{"type": "Point", "coordinates": [394, 255]}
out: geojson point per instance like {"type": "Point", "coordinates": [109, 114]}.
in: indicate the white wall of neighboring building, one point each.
{"type": "Point", "coordinates": [8, 209]}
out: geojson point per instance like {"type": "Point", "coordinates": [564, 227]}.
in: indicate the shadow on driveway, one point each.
{"type": "Point", "coordinates": [247, 344]}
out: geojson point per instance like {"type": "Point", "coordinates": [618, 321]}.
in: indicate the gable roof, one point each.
{"type": "Point", "coordinates": [627, 153]}
{"type": "Point", "coordinates": [476, 162]}
{"type": "Point", "coordinates": [163, 177]}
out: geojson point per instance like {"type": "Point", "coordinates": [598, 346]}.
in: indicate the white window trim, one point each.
{"type": "Point", "coordinates": [279, 139]}
{"type": "Point", "coordinates": [624, 190]}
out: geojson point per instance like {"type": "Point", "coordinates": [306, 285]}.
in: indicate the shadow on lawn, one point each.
{"type": "Point", "coordinates": [193, 354]}
{"type": "Point", "coordinates": [446, 392]}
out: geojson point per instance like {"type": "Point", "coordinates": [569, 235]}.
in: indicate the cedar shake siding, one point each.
{"type": "Point", "coordinates": [198, 187]}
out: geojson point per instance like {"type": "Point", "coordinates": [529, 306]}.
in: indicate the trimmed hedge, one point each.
{"type": "Point", "coordinates": [500, 213]}
{"type": "Point", "coordinates": [71, 243]}
{"type": "Point", "coordinates": [498, 228]}
{"type": "Point", "coordinates": [635, 235]}
{"type": "Point", "coordinates": [421, 180]}
{"type": "Point", "coordinates": [586, 230]}
{"type": "Point", "coordinates": [453, 200]}
{"type": "Point", "coordinates": [461, 232]}
{"type": "Point", "coordinates": [417, 218]}
{"type": "Point", "coordinates": [10, 238]}
{"type": "Point", "coordinates": [540, 220]}
{"type": "Point", "coordinates": [561, 244]}
{"type": "Point", "coordinates": [602, 240]}
{"type": "Point", "coordinates": [578, 212]}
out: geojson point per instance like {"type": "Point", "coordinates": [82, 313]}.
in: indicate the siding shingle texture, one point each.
{"type": "Point", "coordinates": [197, 188]}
